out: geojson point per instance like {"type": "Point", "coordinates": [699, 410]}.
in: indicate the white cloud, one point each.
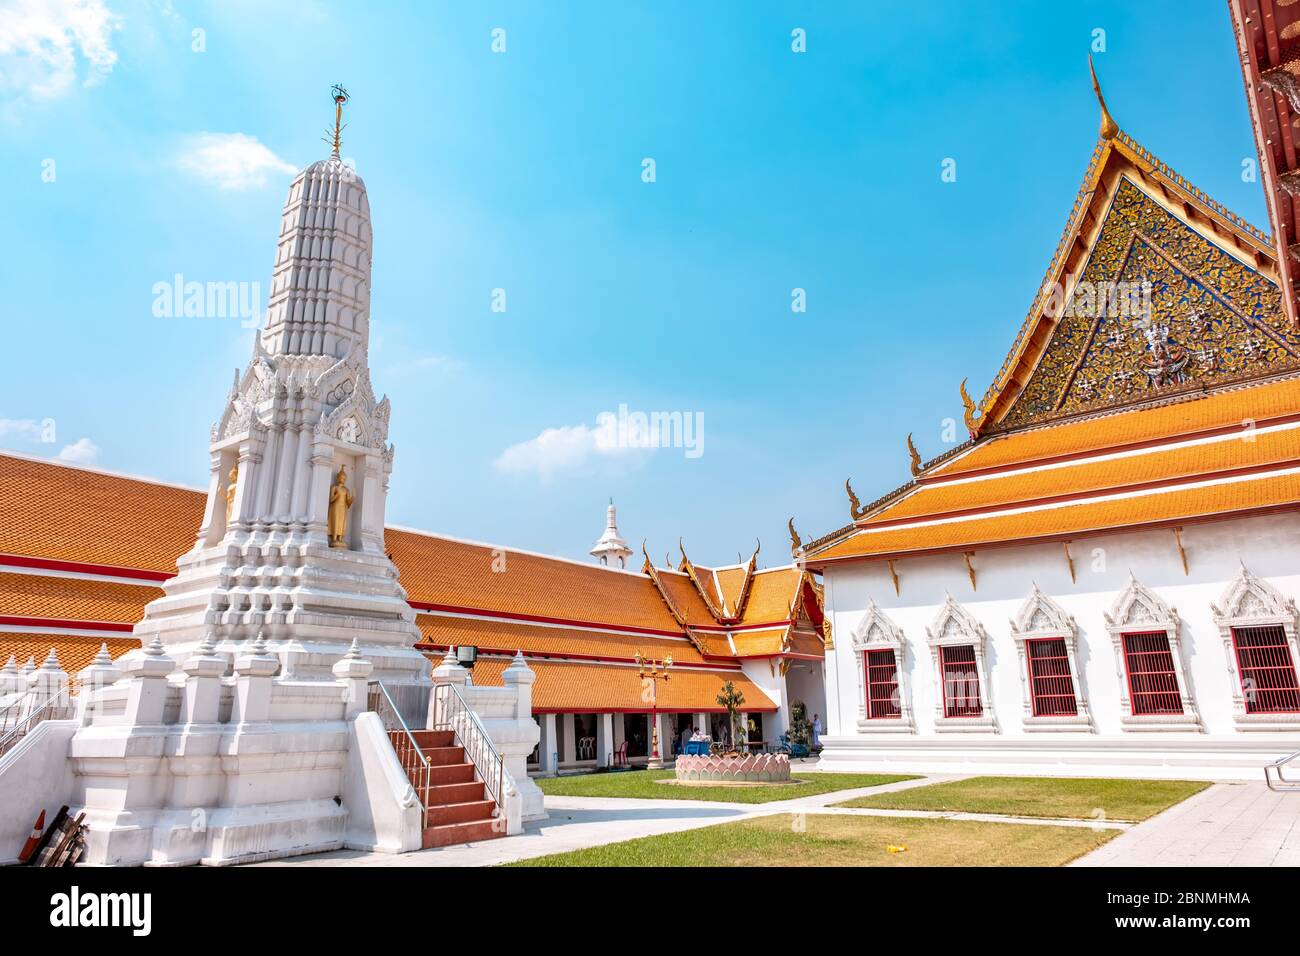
{"type": "Point", "coordinates": [42, 42]}
{"type": "Point", "coordinates": [81, 452]}
{"type": "Point", "coordinates": [230, 160]}
{"type": "Point", "coordinates": [568, 449]}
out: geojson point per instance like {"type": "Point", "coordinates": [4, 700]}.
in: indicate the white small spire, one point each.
{"type": "Point", "coordinates": [611, 549]}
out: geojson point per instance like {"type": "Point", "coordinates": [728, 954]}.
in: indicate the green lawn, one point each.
{"type": "Point", "coordinates": [641, 783]}
{"type": "Point", "coordinates": [1041, 797]}
{"type": "Point", "coordinates": [827, 840]}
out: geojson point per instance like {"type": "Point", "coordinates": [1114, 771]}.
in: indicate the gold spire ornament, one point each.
{"type": "Point", "coordinates": [1109, 128]}
{"type": "Point", "coordinates": [340, 501]}
{"type": "Point", "coordinates": [915, 455]}
{"type": "Point", "coordinates": [335, 137]}
{"type": "Point", "coordinates": [796, 543]}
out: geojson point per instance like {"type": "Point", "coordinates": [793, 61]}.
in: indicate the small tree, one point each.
{"type": "Point", "coordinates": [731, 699]}
{"type": "Point", "coordinates": [800, 731]}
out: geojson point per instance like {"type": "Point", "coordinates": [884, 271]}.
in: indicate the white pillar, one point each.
{"type": "Point", "coordinates": [604, 739]}
{"type": "Point", "coordinates": [548, 746]}
{"type": "Point", "coordinates": [568, 739]}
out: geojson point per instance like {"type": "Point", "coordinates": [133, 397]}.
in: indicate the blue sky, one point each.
{"type": "Point", "coordinates": [522, 170]}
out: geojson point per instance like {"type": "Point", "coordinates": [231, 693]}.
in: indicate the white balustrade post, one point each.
{"type": "Point", "coordinates": [148, 676]}
{"type": "Point", "coordinates": [353, 672]}
{"type": "Point", "coordinates": [253, 673]}
{"type": "Point", "coordinates": [100, 673]}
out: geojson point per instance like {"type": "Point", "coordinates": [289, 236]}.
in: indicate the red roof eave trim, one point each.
{"type": "Point", "coordinates": [79, 567]}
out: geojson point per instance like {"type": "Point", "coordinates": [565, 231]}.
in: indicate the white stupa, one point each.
{"type": "Point", "coordinates": [611, 549]}
{"type": "Point", "coordinates": [301, 413]}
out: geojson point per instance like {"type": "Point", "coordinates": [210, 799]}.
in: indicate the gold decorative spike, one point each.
{"type": "Point", "coordinates": [970, 568]}
{"type": "Point", "coordinates": [1178, 540]}
{"type": "Point", "coordinates": [1069, 561]}
{"type": "Point", "coordinates": [916, 455]}
{"type": "Point", "coordinates": [335, 138]}
{"type": "Point", "coordinates": [340, 501]}
{"type": "Point", "coordinates": [855, 506]}
{"type": "Point", "coordinates": [1109, 128]}
{"type": "Point", "coordinates": [893, 574]}
{"type": "Point", "coordinates": [796, 543]}
{"type": "Point", "coordinates": [972, 414]}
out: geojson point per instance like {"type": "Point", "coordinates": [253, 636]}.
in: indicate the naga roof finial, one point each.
{"type": "Point", "coordinates": [1109, 128]}
{"type": "Point", "coordinates": [856, 511]}
{"type": "Point", "coordinates": [796, 543]}
{"type": "Point", "coordinates": [972, 414]}
{"type": "Point", "coordinates": [915, 455]}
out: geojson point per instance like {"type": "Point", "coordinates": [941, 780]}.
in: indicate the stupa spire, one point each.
{"type": "Point", "coordinates": [611, 549]}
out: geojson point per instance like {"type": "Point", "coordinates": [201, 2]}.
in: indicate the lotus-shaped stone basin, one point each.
{"type": "Point", "coordinates": [741, 768]}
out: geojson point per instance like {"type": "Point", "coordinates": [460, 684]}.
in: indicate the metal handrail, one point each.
{"type": "Point", "coordinates": [58, 707]}
{"type": "Point", "coordinates": [409, 752]}
{"type": "Point", "coordinates": [1283, 784]}
{"type": "Point", "coordinates": [451, 712]}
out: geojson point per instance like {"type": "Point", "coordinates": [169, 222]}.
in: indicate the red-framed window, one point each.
{"type": "Point", "coordinates": [882, 684]}
{"type": "Point", "coordinates": [961, 681]}
{"type": "Point", "coordinates": [1268, 678]}
{"type": "Point", "coordinates": [1050, 685]}
{"type": "Point", "coordinates": [1152, 682]}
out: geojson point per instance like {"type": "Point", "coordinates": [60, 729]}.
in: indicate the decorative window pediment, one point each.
{"type": "Point", "coordinates": [1258, 627]}
{"type": "Point", "coordinates": [883, 704]}
{"type": "Point", "coordinates": [1153, 688]}
{"type": "Point", "coordinates": [1046, 643]}
{"type": "Point", "coordinates": [957, 644]}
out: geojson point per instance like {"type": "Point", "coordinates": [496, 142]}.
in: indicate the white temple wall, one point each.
{"type": "Point", "coordinates": [1267, 545]}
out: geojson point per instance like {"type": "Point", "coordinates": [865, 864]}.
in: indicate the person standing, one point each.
{"type": "Point", "coordinates": [816, 732]}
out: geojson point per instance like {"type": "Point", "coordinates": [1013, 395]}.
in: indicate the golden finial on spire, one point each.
{"type": "Point", "coordinates": [1109, 128]}
{"type": "Point", "coordinates": [334, 138]}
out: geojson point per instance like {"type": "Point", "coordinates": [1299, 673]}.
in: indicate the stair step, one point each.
{"type": "Point", "coordinates": [453, 833]}
{"type": "Point", "coordinates": [444, 794]}
{"type": "Point", "coordinates": [441, 756]}
{"type": "Point", "coordinates": [451, 773]}
{"type": "Point", "coordinates": [460, 812]}
{"type": "Point", "coordinates": [433, 738]}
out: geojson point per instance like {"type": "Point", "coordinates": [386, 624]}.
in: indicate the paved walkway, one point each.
{"type": "Point", "coordinates": [1230, 824]}
{"type": "Point", "coordinates": [579, 822]}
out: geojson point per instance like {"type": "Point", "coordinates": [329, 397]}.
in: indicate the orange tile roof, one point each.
{"type": "Point", "coordinates": [733, 582]}
{"type": "Point", "coordinates": [771, 595]}
{"type": "Point", "coordinates": [455, 573]}
{"type": "Point", "coordinates": [714, 644]}
{"type": "Point", "coordinates": [763, 643]}
{"type": "Point", "coordinates": [70, 514]}
{"type": "Point", "coordinates": [686, 597]}
{"type": "Point", "coordinates": [75, 652]}
{"type": "Point", "coordinates": [1168, 505]}
{"type": "Point", "coordinates": [73, 599]}
{"type": "Point", "coordinates": [1090, 477]}
{"type": "Point", "coordinates": [599, 688]}
{"type": "Point", "coordinates": [1220, 409]}
{"type": "Point", "coordinates": [803, 643]}
{"type": "Point", "coordinates": [533, 638]}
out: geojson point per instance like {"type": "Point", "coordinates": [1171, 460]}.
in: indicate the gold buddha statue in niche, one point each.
{"type": "Point", "coordinates": [231, 481]}
{"type": "Point", "coordinates": [340, 501]}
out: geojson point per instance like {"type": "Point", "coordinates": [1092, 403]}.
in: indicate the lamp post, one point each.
{"type": "Point", "coordinates": [653, 671]}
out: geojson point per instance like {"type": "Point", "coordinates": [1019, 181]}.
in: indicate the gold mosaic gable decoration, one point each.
{"type": "Point", "coordinates": [1158, 310]}
{"type": "Point", "coordinates": [1154, 290]}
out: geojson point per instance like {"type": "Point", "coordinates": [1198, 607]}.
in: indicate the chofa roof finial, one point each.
{"type": "Point", "coordinates": [1109, 128]}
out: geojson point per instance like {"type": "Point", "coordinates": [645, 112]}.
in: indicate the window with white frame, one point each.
{"type": "Point", "coordinates": [957, 643]}
{"type": "Point", "coordinates": [1153, 690]}
{"type": "Point", "coordinates": [1258, 627]}
{"type": "Point", "coordinates": [1047, 645]}
{"type": "Point", "coordinates": [879, 648]}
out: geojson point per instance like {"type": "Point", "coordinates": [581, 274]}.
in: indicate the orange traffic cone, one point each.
{"type": "Point", "coordinates": [34, 840]}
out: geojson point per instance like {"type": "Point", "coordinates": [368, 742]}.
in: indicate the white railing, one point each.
{"type": "Point", "coordinates": [409, 753]}
{"type": "Point", "coordinates": [15, 728]}
{"type": "Point", "coordinates": [450, 712]}
{"type": "Point", "coordinates": [1280, 783]}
